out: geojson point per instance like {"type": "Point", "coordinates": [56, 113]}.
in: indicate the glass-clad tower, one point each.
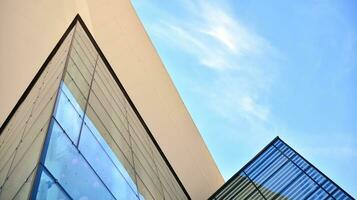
{"type": "Point", "coordinates": [279, 172]}
{"type": "Point", "coordinates": [75, 134]}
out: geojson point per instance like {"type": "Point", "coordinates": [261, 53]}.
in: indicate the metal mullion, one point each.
{"type": "Point", "coordinates": [233, 191]}
{"type": "Point", "coordinates": [85, 49]}
{"type": "Point", "coordinates": [87, 101]}
{"type": "Point", "coordinates": [144, 186]}
{"type": "Point", "coordinates": [254, 164]}
{"type": "Point", "coordinates": [268, 164]}
{"type": "Point", "coordinates": [108, 91]}
{"type": "Point", "coordinates": [77, 67]}
{"type": "Point", "coordinates": [51, 97]}
{"type": "Point", "coordinates": [70, 102]}
{"type": "Point", "coordinates": [161, 173]}
{"type": "Point", "coordinates": [113, 139]}
{"type": "Point", "coordinates": [80, 58]}
{"type": "Point", "coordinates": [143, 155]}
{"type": "Point", "coordinates": [169, 184]}
{"type": "Point", "coordinates": [332, 192]}
{"type": "Point", "coordinates": [36, 181]}
{"type": "Point", "coordinates": [105, 75]}
{"type": "Point", "coordinates": [146, 171]}
{"type": "Point", "coordinates": [288, 185]}
{"type": "Point", "coordinates": [229, 187]}
{"type": "Point", "coordinates": [256, 187]}
{"type": "Point", "coordinates": [76, 85]}
{"type": "Point", "coordinates": [6, 163]}
{"type": "Point", "coordinates": [312, 192]}
{"type": "Point", "coordinates": [33, 141]}
{"type": "Point", "coordinates": [106, 153]}
{"type": "Point", "coordinates": [296, 188]}
{"type": "Point", "coordinates": [304, 171]}
{"type": "Point", "coordinates": [132, 155]}
{"type": "Point", "coordinates": [157, 171]}
{"type": "Point", "coordinates": [84, 52]}
{"type": "Point", "coordinates": [282, 177]}
{"type": "Point", "coordinates": [57, 61]}
{"type": "Point", "coordinates": [45, 170]}
{"type": "Point", "coordinates": [111, 106]}
{"type": "Point", "coordinates": [79, 71]}
{"type": "Point", "coordinates": [84, 158]}
{"type": "Point", "coordinates": [272, 174]}
{"type": "Point", "coordinates": [88, 48]}
{"type": "Point", "coordinates": [105, 110]}
{"type": "Point", "coordinates": [112, 89]}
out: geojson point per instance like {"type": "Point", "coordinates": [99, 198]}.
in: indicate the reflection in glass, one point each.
{"type": "Point", "coordinates": [67, 116]}
{"type": "Point", "coordinates": [104, 166]}
{"type": "Point", "coordinates": [48, 189]}
{"type": "Point", "coordinates": [69, 167]}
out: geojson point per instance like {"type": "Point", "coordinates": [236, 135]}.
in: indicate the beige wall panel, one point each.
{"type": "Point", "coordinates": [28, 32]}
{"type": "Point", "coordinates": [126, 45]}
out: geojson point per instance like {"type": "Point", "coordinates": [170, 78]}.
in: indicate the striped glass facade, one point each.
{"type": "Point", "coordinates": [77, 135]}
{"type": "Point", "coordinates": [279, 172]}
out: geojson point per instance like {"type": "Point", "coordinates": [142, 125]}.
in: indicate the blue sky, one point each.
{"type": "Point", "coordinates": [249, 71]}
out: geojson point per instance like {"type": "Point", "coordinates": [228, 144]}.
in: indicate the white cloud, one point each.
{"type": "Point", "coordinates": [240, 58]}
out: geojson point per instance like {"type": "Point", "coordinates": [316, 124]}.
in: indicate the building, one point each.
{"type": "Point", "coordinates": [279, 172]}
{"type": "Point", "coordinates": [30, 30]}
{"type": "Point", "coordinates": [101, 118]}
{"type": "Point", "coordinates": [76, 134]}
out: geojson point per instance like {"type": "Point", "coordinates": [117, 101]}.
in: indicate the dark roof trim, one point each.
{"type": "Point", "coordinates": [318, 170]}
{"type": "Point", "coordinates": [262, 151]}
{"type": "Point", "coordinates": [240, 171]}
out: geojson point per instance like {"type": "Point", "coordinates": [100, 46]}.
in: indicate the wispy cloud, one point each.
{"type": "Point", "coordinates": [213, 36]}
{"type": "Point", "coordinates": [220, 42]}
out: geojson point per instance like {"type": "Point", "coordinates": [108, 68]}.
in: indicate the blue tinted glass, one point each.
{"type": "Point", "coordinates": [104, 166]}
{"type": "Point", "coordinates": [110, 153]}
{"type": "Point", "coordinates": [48, 189]}
{"type": "Point", "coordinates": [70, 169]}
{"type": "Point", "coordinates": [68, 117]}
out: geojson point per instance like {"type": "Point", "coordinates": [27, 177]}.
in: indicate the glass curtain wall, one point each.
{"type": "Point", "coordinates": [278, 172]}
{"type": "Point", "coordinates": [96, 146]}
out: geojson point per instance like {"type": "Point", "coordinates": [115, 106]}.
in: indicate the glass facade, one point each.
{"type": "Point", "coordinates": [77, 135]}
{"type": "Point", "coordinates": [278, 172]}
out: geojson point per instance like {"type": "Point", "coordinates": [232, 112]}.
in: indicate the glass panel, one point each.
{"type": "Point", "coordinates": [67, 116]}
{"type": "Point", "coordinates": [49, 189]}
{"type": "Point", "coordinates": [72, 171]}
{"type": "Point", "coordinates": [120, 148]}
{"type": "Point", "coordinates": [104, 166]}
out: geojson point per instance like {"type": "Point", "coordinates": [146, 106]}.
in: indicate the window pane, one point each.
{"type": "Point", "coordinates": [48, 189]}
{"type": "Point", "coordinates": [104, 166]}
{"type": "Point", "coordinates": [72, 171]}
{"type": "Point", "coordinates": [68, 117]}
